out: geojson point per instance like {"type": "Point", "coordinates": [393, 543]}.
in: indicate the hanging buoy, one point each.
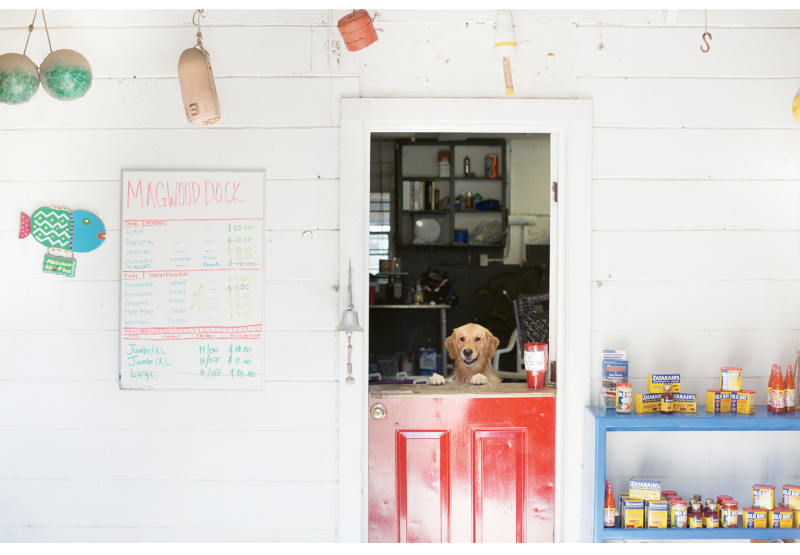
{"type": "Point", "coordinates": [505, 44]}
{"type": "Point", "coordinates": [66, 75]}
{"type": "Point", "coordinates": [200, 100]}
{"type": "Point", "coordinates": [357, 30]}
{"type": "Point", "coordinates": [19, 79]}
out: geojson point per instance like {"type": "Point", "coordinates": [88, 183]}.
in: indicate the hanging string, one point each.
{"type": "Point", "coordinates": [198, 14]}
{"type": "Point", "coordinates": [30, 30]}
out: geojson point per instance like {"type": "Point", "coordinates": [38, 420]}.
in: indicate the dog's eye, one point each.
{"type": "Point", "coordinates": [462, 339]}
{"type": "Point", "coordinates": [477, 339]}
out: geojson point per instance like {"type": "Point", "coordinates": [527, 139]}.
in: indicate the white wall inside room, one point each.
{"type": "Point", "coordinates": [696, 196]}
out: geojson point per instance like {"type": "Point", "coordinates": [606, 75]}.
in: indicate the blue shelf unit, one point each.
{"type": "Point", "coordinates": [598, 421]}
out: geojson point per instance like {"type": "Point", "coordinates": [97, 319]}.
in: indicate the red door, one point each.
{"type": "Point", "coordinates": [462, 469]}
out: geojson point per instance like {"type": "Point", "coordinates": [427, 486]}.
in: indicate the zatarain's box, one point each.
{"type": "Point", "coordinates": [685, 402]}
{"type": "Point", "coordinates": [647, 402]}
{"type": "Point", "coordinates": [631, 512]}
{"type": "Point", "coordinates": [649, 491]}
{"type": "Point", "coordinates": [656, 382]}
{"type": "Point", "coordinates": [781, 518]}
{"type": "Point", "coordinates": [754, 518]}
{"type": "Point", "coordinates": [656, 514]}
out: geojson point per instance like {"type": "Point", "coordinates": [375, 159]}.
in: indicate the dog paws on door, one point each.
{"type": "Point", "coordinates": [436, 379]}
{"type": "Point", "coordinates": [479, 379]}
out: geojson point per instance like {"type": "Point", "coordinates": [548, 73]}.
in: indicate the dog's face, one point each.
{"type": "Point", "coordinates": [471, 343]}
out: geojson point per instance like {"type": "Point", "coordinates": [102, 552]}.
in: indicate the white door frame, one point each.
{"type": "Point", "coordinates": [570, 124]}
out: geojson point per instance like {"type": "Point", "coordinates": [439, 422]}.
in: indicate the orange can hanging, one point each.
{"type": "Point", "coordinates": [357, 30]}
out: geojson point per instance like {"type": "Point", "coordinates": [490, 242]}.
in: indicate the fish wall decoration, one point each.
{"type": "Point", "coordinates": [63, 232]}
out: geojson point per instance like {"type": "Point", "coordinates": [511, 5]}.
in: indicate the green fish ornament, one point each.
{"type": "Point", "coordinates": [62, 231]}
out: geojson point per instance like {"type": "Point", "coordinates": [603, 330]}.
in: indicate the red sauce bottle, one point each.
{"type": "Point", "coordinates": [771, 390]}
{"type": "Point", "coordinates": [608, 514]}
{"type": "Point", "coordinates": [789, 393]}
{"type": "Point", "coordinates": [667, 399]}
{"type": "Point", "coordinates": [777, 392]}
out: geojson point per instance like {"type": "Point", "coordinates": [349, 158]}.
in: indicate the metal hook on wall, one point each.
{"type": "Point", "coordinates": [706, 34]}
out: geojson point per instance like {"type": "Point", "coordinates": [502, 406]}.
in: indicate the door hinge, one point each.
{"type": "Point", "coordinates": [553, 375]}
{"type": "Point", "coordinates": [555, 191]}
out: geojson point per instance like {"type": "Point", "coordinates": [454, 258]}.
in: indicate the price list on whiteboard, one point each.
{"type": "Point", "coordinates": [192, 279]}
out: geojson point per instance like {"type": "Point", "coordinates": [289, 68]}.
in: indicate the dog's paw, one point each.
{"type": "Point", "coordinates": [479, 379]}
{"type": "Point", "coordinates": [436, 379]}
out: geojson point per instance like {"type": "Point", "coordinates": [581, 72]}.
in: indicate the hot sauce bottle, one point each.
{"type": "Point", "coordinates": [771, 390]}
{"type": "Point", "coordinates": [777, 392]}
{"type": "Point", "coordinates": [789, 393]}
{"type": "Point", "coordinates": [608, 514]}
{"type": "Point", "coordinates": [667, 399]}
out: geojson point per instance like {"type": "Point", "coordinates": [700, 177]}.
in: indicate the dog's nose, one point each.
{"type": "Point", "coordinates": [468, 352]}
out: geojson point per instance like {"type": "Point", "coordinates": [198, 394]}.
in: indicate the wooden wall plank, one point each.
{"type": "Point", "coordinates": [695, 305]}
{"type": "Point", "coordinates": [695, 205]}
{"type": "Point", "coordinates": [126, 534]}
{"type": "Point", "coordinates": [193, 455]}
{"type": "Point", "coordinates": [101, 405]}
{"type": "Point", "coordinates": [302, 254]}
{"type": "Point", "coordinates": [167, 503]}
{"type": "Point", "coordinates": [302, 305]}
{"type": "Point", "coordinates": [692, 255]}
{"type": "Point", "coordinates": [719, 153]}
{"type": "Point", "coordinates": [99, 154]}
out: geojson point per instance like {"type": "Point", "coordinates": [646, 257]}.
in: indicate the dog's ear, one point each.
{"type": "Point", "coordinates": [450, 345]}
{"type": "Point", "coordinates": [491, 344]}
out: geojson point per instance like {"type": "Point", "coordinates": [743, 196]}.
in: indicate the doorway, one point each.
{"type": "Point", "coordinates": [568, 124]}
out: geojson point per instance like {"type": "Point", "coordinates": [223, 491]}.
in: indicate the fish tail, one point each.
{"type": "Point", "coordinates": [24, 225]}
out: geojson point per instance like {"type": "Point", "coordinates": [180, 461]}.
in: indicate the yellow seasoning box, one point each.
{"type": "Point", "coordinates": [685, 402]}
{"type": "Point", "coordinates": [647, 402]}
{"type": "Point", "coordinates": [656, 382]}
{"type": "Point", "coordinates": [644, 490]}
{"type": "Point", "coordinates": [754, 518]}
{"type": "Point", "coordinates": [781, 518]}
{"type": "Point", "coordinates": [763, 497]}
{"type": "Point", "coordinates": [791, 496]}
{"type": "Point", "coordinates": [631, 512]}
{"type": "Point", "coordinates": [656, 513]}
{"type": "Point", "coordinates": [718, 401]}
{"type": "Point", "coordinates": [743, 402]}
{"type": "Point", "coordinates": [730, 379]}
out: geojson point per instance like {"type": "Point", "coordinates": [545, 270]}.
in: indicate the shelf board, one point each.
{"type": "Point", "coordinates": [405, 178]}
{"type": "Point", "coordinates": [390, 275]}
{"type": "Point", "coordinates": [426, 211]}
{"type": "Point", "coordinates": [477, 178]}
{"type": "Point", "coordinates": [699, 534]}
{"type": "Point", "coordinates": [450, 246]}
{"type": "Point", "coordinates": [701, 420]}
{"type": "Point", "coordinates": [417, 306]}
{"type": "Point", "coordinates": [476, 211]}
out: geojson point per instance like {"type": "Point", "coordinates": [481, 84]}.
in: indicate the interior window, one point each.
{"type": "Point", "coordinates": [379, 228]}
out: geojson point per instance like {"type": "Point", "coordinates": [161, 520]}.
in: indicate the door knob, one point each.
{"type": "Point", "coordinates": [378, 411]}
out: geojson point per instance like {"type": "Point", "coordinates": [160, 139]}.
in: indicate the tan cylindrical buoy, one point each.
{"type": "Point", "coordinates": [200, 100]}
{"type": "Point", "coordinates": [357, 30]}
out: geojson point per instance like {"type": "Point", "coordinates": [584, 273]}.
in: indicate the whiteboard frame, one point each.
{"type": "Point", "coordinates": [263, 280]}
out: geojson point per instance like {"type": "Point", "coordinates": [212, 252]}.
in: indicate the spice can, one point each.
{"type": "Point", "coordinates": [624, 402]}
{"type": "Point", "coordinates": [468, 200]}
{"type": "Point", "coordinates": [730, 514]}
{"type": "Point", "coordinates": [677, 514]}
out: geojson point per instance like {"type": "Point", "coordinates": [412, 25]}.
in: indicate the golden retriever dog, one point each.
{"type": "Point", "coordinates": [472, 347]}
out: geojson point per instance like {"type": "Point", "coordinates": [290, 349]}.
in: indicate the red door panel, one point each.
{"type": "Point", "coordinates": [462, 469]}
{"type": "Point", "coordinates": [423, 486]}
{"type": "Point", "coordinates": [499, 485]}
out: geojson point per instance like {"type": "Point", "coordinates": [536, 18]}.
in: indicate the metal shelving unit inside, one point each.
{"type": "Point", "coordinates": [598, 421]}
{"type": "Point", "coordinates": [452, 186]}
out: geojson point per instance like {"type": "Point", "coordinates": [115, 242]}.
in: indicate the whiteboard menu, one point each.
{"type": "Point", "coordinates": [192, 278]}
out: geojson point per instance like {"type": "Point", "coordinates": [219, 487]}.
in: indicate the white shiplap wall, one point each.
{"type": "Point", "coordinates": [695, 240]}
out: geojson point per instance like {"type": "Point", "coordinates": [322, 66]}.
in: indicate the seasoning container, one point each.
{"type": "Point", "coordinates": [667, 400]}
{"type": "Point", "coordinates": [782, 517]}
{"type": "Point", "coordinates": [468, 200]}
{"type": "Point", "coordinates": [695, 516]}
{"type": "Point", "coordinates": [665, 493]}
{"type": "Point", "coordinates": [624, 402]}
{"type": "Point", "coordinates": [730, 514]}
{"type": "Point", "coordinates": [711, 516]}
{"type": "Point", "coordinates": [754, 517]}
{"type": "Point", "coordinates": [678, 513]}
{"type": "Point", "coordinates": [720, 499]}
{"type": "Point", "coordinates": [718, 401]}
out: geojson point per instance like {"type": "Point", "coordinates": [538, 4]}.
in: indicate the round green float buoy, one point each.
{"type": "Point", "coordinates": [66, 75]}
{"type": "Point", "coordinates": [19, 79]}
